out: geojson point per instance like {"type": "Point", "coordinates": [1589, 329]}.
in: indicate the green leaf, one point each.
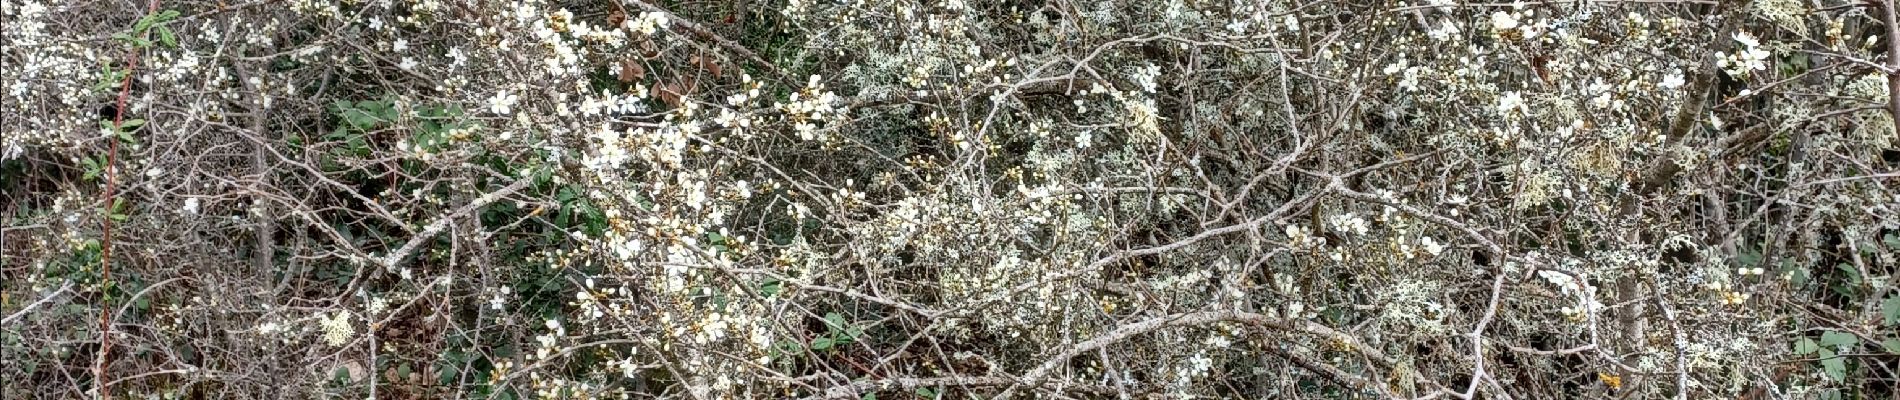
{"type": "Point", "coordinates": [131, 124]}
{"type": "Point", "coordinates": [1805, 346]}
{"type": "Point", "coordinates": [92, 168]}
{"type": "Point", "coordinates": [1893, 241]}
{"type": "Point", "coordinates": [788, 347]}
{"type": "Point", "coordinates": [1838, 340]}
{"type": "Point", "coordinates": [1797, 276]}
{"type": "Point", "coordinates": [821, 343]}
{"type": "Point", "coordinates": [771, 287]}
{"type": "Point", "coordinates": [126, 136]}
{"type": "Point", "coordinates": [446, 376]}
{"type": "Point", "coordinates": [117, 211]}
{"type": "Point", "coordinates": [1853, 275]}
{"type": "Point", "coordinates": [870, 396]}
{"type": "Point", "coordinates": [926, 393]}
{"type": "Point", "coordinates": [1834, 367]}
{"type": "Point", "coordinates": [834, 321]}
{"type": "Point", "coordinates": [1749, 259]}
{"type": "Point", "coordinates": [145, 23]}
{"type": "Point", "coordinates": [1892, 345]}
{"type": "Point", "coordinates": [165, 37]}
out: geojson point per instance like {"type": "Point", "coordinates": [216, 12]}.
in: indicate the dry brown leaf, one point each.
{"type": "Point", "coordinates": [648, 49]}
{"type": "Point", "coordinates": [668, 93]}
{"type": "Point", "coordinates": [615, 18]}
{"type": "Point", "coordinates": [707, 64]}
{"type": "Point", "coordinates": [631, 71]}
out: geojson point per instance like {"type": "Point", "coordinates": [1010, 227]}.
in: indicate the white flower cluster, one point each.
{"type": "Point", "coordinates": [1511, 104]}
{"type": "Point", "coordinates": [503, 102]}
{"type": "Point", "coordinates": [1512, 25]}
{"type": "Point", "coordinates": [1751, 57]}
{"type": "Point", "coordinates": [548, 343]}
{"type": "Point", "coordinates": [1299, 237]}
{"type": "Point", "coordinates": [810, 107]}
{"type": "Point", "coordinates": [592, 305]}
{"type": "Point", "coordinates": [647, 24]}
{"type": "Point", "coordinates": [1426, 243]}
{"type": "Point", "coordinates": [1410, 79]}
{"type": "Point", "coordinates": [1445, 31]}
{"type": "Point", "coordinates": [1145, 77]}
{"type": "Point", "coordinates": [1349, 223]}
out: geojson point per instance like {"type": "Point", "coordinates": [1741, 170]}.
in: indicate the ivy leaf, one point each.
{"type": "Point", "coordinates": [771, 287]}
{"type": "Point", "coordinates": [1892, 345]}
{"type": "Point", "coordinates": [1838, 340]}
{"type": "Point", "coordinates": [1806, 346]}
{"type": "Point", "coordinates": [447, 376]}
{"type": "Point", "coordinates": [821, 343]}
{"type": "Point", "coordinates": [853, 332]}
{"type": "Point", "coordinates": [1834, 367]}
{"type": "Point", "coordinates": [1853, 275]}
{"type": "Point", "coordinates": [834, 321]}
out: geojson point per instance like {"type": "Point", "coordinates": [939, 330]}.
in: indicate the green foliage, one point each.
{"type": "Point", "coordinates": [838, 332]}
{"type": "Point", "coordinates": [151, 24]}
{"type": "Point", "coordinates": [364, 115]}
{"type": "Point", "coordinates": [1827, 352]}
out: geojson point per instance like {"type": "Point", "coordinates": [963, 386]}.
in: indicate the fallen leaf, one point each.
{"type": "Point", "coordinates": [648, 49]}
{"type": "Point", "coordinates": [615, 18]}
{"type": "Point", "coordinates": [631, 71]}
{"type": "Point", "coordinates": [668, 93]}
{"type": "Point", "coordinates": [707, 64]}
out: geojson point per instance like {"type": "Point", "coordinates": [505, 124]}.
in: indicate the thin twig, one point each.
{"type": "Point", "coordinates": [708, 35]}
{"type": "Point", "coordinates": [29, 307]}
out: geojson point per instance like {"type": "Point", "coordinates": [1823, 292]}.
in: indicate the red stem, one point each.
{"type": "Point", "coordinates": [105, 245]}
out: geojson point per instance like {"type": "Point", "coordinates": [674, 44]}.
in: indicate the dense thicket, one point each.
{"type": "Point", "coordinates": [949, 198]}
